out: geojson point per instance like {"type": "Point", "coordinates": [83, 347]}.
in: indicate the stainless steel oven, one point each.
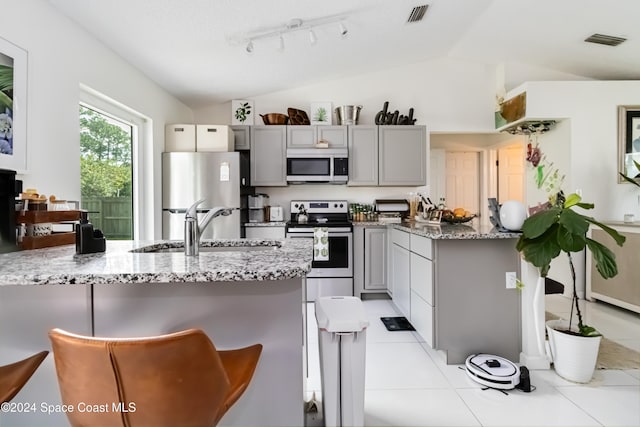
{"type": "Point", "coordinates": [318, 165]}
{"type": "Point", "coordinates": [332, 276]}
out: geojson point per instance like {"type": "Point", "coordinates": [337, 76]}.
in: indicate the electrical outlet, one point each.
{"type": "Point", "coordinates": [511, 279]}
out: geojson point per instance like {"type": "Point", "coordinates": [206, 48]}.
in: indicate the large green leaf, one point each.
{"type": "Point", "coordinates": [619, 238]}
{"type": "Point", "coordinates": [5, 101]}
{"type": "Point", "coordinates": [570, 241]}
{"type": "Point", "coordinates": [538, 223]}
{"type": "Point", "coordinates": [605, 259]}
{"type": "Point", "coordinates": [541, 250]}
{"type": "Point", "coordinates": [573, 222]}
{"type": "Point", "coordinates": [6, 78]}
{"type": "Point", "coordinates": [571, 200]}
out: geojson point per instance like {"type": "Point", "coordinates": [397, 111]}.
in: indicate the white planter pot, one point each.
{"type": "Point", "coordinates": [574, 357]}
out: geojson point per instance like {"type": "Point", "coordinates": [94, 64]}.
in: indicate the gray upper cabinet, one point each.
{"type": "Point", "coordinates": [304, 136]}
{"type": "Point", "coordinates": [268, 151]}
{"type": "Point", "coordinates": [336, 136]}
{"type": "Point", "coordinates": [363, 155]}
{"type": "Point", "coordinates": [242, 136]}
{"type": "Point", "coordinates": [402, 155]}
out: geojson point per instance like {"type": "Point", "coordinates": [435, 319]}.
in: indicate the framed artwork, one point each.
{"type": "Point", "coordinates": [13, 107]}
{"type": "Point", "coordinates": [321, 113]}
{"type": "Point", "coordinates": [628, 141]}
{"type": "Point", "coordinates": [241, 112]}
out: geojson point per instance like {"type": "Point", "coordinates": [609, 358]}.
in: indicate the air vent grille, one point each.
{"type": "Point", "coordinates": [605, 39]}
{"type": "Point", "coordinates": [417, 13]}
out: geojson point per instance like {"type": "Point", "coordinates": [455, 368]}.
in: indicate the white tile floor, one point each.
{"type": "Point", "coordinates": [408, 384]}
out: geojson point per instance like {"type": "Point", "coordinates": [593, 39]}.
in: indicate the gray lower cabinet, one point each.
{"type": "Point", "coordinates": [369, 259]}
{"type": "Point", "coordinates": [402, 155]}
{"type": "Point", "coordinates": [375, 258]}
{"type": "Point", "coordinates": [370, 263]}
{"type": "Point", "coordinates": [242, 137]}
{"type": "Point", "coordinates": [301, 136]}
{"type": "Point", "coordinates": [458, 298]}
{"type": "Point", "coordinates": [268, 151]}
{"type": "Point", "coordinates": [401, 278]}
{"type": "Point", "coordinates": [421, 279]}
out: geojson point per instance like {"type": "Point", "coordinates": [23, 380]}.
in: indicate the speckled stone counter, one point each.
{"type": "Point", "coordinates": [454, 231]}
{"type": "Point", "coordinates": [266, 224]}
{"type": "Point", "coordinates": [238, 298]}
{"type": "Point", "coordinates": [287, 258]}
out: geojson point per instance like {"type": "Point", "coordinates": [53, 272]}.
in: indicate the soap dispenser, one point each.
{"type": "Point", "coordinates": [88, 239]}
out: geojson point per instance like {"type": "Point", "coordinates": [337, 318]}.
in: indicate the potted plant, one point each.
{"type": "Point", "coordinates": [554, 229]}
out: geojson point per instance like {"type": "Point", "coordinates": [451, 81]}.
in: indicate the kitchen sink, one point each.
{"type": "Point", "coordinates": [179, 247]}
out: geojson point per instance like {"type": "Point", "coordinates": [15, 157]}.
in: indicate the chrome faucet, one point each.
{"type": "Point", "coordinates": [193, 230]}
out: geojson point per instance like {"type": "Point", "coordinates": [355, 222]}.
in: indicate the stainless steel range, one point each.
{"type": "Point", "coordinates": [331, 274]}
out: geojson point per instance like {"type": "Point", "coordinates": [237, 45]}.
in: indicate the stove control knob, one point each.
{"type": "Point", "coordinates": [295, 206]}
{"type": "Point", "coordinates": [341, 205]}
{"type": "Point", "coordinates": [335, 205]}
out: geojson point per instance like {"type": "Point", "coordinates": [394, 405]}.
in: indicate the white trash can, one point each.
{"type": "Point", "coordinates": [342, 324]}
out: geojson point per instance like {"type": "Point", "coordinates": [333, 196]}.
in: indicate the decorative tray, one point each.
{"type": "Point", "coordinates": [298, 117]}
{"type": "Point", "coordinates": [451, 219]}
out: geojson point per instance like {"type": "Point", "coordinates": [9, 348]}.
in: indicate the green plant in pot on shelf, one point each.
{"type": "Point", "coordinates": [558, 228]}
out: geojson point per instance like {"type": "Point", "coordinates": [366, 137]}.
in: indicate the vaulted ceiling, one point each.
{"type": "Point", "coordinates": [196, 49]}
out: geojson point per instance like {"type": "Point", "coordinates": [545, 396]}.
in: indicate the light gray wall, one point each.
{"type": "Point", "coordinates": [61, 56]}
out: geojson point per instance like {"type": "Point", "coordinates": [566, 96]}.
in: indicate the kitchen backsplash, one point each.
{"type": "Point", "coordinates": [282, 196]}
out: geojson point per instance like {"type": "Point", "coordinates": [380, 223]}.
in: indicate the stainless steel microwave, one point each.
{"type": "Point", "coordinates": [317, 165]}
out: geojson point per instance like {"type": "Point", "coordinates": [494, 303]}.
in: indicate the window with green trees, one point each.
{"type": "Point", "coordinates": [105, 172]}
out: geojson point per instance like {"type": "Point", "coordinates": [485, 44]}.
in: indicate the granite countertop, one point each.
{"type": "Point", "coordinates": [467, 231]}
{"type": "Point", "coordinates": [266, 224]}
{"type": "Point", "coordinates": [60, 265]}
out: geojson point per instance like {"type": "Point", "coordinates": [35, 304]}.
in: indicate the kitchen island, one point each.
{"type": "Point", "coordinates": [456, 284]}
{"type": "Point", "coordinates": [237, 296]}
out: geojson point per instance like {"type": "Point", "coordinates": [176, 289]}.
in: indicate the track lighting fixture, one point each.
{"type": "Point", "coordinates": [292, 26]}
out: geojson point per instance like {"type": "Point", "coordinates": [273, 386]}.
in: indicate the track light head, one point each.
{"type": "Point", "coordinates": [343, 30]}
{"type": "Point", "coordinates": [312, 36]}
{"type": "Point", "coordinates": [249, 47]}
{"type": "Point", "coordinates": [281, 43]}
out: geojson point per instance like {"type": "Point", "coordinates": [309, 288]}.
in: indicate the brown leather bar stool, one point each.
{"type": "Point", "coordinates": [178, 379]}
{"type": "Point", "coordinates": [14, 376]}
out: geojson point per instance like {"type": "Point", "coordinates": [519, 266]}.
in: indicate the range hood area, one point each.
{"type": "Point", "coordinates": [515, 118]}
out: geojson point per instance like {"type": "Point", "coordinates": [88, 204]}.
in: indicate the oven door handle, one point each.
{"type": "Point", "coordinates": [333, 231]}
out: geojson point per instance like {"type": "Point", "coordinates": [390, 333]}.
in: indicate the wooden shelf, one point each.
{"type": "Point", "coordinates": [38, 217]}
{"type": "Point", "coordinates": [55, 239]}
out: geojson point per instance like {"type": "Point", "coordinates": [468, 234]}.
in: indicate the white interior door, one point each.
{"type": "Point", "coordinates": [511, 173]}
{"type": "Point", "coordinates": [462, 180]}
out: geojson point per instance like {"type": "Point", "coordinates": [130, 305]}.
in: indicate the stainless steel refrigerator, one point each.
{"type": "Point", "coordinates": [217, 177]}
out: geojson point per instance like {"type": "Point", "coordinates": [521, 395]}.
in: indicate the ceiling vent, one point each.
{"type": "Point", "coordinates": [605, 39]}
{"type": "Point", "coordinates": [417, 13]}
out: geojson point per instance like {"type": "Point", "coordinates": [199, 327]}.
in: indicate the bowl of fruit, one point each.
{"type": "Point", "coordinates": [457, 216]}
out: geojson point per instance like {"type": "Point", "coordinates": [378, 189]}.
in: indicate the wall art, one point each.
{"type": "Point", "coordinates": [241, 112]}
{"type": "Point", "coordinates": [13, 107]}
{"type": "Point", "coordinates": [628, 141]}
